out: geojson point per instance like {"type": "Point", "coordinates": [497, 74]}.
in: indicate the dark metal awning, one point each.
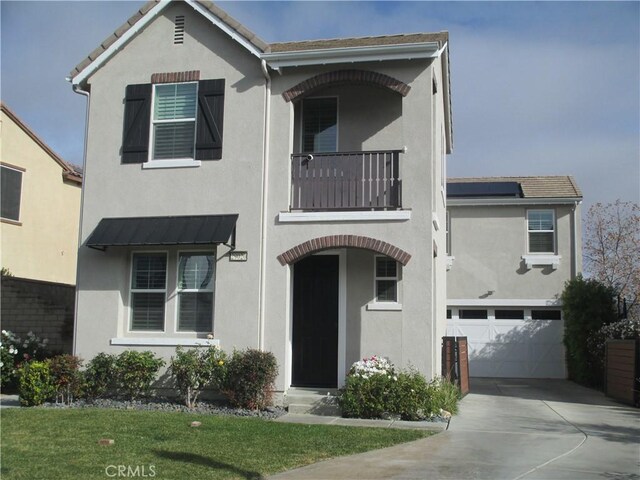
{"type": "Point", "coordinates": [186, 230]}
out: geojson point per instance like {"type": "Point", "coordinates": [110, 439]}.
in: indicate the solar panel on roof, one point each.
{"type": "Point", "coordinates": [484, 189]}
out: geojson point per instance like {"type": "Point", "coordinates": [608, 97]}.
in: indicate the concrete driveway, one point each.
{"type": "Point", "coordinates": [510, 429]}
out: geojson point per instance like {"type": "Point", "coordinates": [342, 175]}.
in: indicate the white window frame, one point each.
{"type": "Point", "coordinates": [529, 231]}
{"type": "Point", "coordinates": [377, 304]}
{"type": "Point", "coordinates": [22, 171]}
{"type": "Point", "coordinates": [136, 290]}
{"type": "Point", "coordinates": [173, 162]}
{"type": "Point", "coordinates": [176, 326]}
{"type": "Point", "coordinates": [337, 122]}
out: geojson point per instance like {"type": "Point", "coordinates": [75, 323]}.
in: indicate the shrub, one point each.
{"type": "Point", "coordinates": [99, 375]}
{"type": "Point", "coordinates": [620, 330]}
{"type": "Point", "coordinates": [373, 389]}
{"type": "Point", "coordinates": [196, 369]}
{"type": "Point", "coordinates": [587, 306]}
{"type": "Point", "coordinates": [8, 355]}
{"type": "Point", "coordinates": [35, 383]}
{"type": "Point", "coordinates": [67, 379]}
{"type": "Point", "coordinates": [33, 347]}
{"type": "Point", "coordinates": [250, 377]}
{"type": "Point", "coordinates": [135, 371]}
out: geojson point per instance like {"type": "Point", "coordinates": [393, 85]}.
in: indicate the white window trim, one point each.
{"type": "Point", "coordinates": [176, 323]}
{"type": "Point", "coordinates": [376, 304]}
{"type": "Point", "coordinates": [542, 260]}
{"type": "Point", "coordinates": [337, 122]}
{"type": "Point", "coordinates": [131, 292]}
{"type": "Point", "coordinates": [165, 341]}
{"type": "Point", "coordinates": [172, 162]}
{"type": "Point", "coordinates": [553, 214]}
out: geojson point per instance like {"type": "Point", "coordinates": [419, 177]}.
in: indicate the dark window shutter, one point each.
{"type": "Point", "coordinates": [210, 119]}
{"type": "Point", "coordinates": [137, 115]}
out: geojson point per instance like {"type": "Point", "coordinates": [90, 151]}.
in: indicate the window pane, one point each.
{"type": "Point", "coordinates": [546, 314]}
{"type": "Point", "coordinates": [195, 311]}
{"type": "Point", "coordinates": [473, 314]}
{"type": "Point", "coordinates": [149, 271]}
{"type": "Point", "coordinates": [540, 220]}
{"type": "Point", "coordinates": [541, 242]}
{"type": "Point", "coordinates": [147, 311]}
{"type": "Point", "coordinates": [386, 291]}
{"type": "Point", "coordinates": [11, 187]}
{"type": "Point", "coordinates": [195, 272]}
{"type": "Point", "coordinates": [175, 101]}
{"type": "Point", "coordinates": [320, 125]}
{"type": "Point", "coordinates": [385, 267]}
{"type": "Point", "coordinates": [509, 315]}
{"type": "Point", "coordinates": [173, 140]}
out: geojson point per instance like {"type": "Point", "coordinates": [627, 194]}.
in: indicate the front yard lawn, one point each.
{"type": "Point", "coordinates": [63, 444]}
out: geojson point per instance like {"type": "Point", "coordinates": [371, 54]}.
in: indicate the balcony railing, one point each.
{"type": "Point", "coordinates": [346, 181]}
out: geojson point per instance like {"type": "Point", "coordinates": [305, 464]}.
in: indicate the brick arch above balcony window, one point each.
{"type": "Point", "coordinates": [345, 76]}
{"type": "Point", "coordinates": [298, 252]}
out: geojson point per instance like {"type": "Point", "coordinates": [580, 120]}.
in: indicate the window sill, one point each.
{"type": "Point", "coordinates": [359, 216]}
{"type": "Point", "coordinates": [542, 260]}
{"type": "Point", "coordinates": [384, 306]}
{"type": "Point", "coordinates": [165, 341]}
{"type": "Point", "coordinates": [11, 222]}
{"type": "Point", "coordinates": [171, 164]}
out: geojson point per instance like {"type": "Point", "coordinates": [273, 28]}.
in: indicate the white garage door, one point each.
{"type": "Point", "coordinates": [514, 343]}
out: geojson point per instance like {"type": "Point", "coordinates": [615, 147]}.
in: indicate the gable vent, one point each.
{"type": "Point", "coordinates": [178, 31]}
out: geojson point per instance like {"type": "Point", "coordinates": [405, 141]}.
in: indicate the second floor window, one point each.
{"type": "Point", "coordinates": [320, 124]}
{"type": "Point", "coordinates": [11, 190]}
{"type": "Point", "coordinates": [174, 121]}
{"type": "Point", "coordinates": [541, 231]}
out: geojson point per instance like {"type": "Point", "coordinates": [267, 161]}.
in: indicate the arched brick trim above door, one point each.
{"type": "Point", "coordinates": [341, 241]}
{"type": "Point", "coordinates": [345, 76]}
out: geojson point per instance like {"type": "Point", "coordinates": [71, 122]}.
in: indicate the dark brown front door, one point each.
{"type": "Point", "coordinates": [315, 322]}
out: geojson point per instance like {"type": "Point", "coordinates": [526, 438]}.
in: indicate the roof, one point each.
{"type": "Point", "coordinates": [441, 38]}
{"type": "Point", "coordinates": [183, 230]}
{"type": "Point", "coordinates": [70, 171]}
{"type": "Point", "coordinates": [561, 186]}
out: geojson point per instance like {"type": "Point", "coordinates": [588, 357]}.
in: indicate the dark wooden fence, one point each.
{"type": "Point", "coordinates": [346, 181]}
{"type": "Point", "coordinates": [622, 371]}
{"type": "Point", "coordinates": [455, 362]}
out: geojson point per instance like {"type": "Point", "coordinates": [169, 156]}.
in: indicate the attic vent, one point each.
{"type": "Point", "coordinates": [178, 31]}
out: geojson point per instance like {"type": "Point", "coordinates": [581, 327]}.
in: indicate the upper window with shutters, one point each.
{"type": "Point", "coordinates": [173, 124]}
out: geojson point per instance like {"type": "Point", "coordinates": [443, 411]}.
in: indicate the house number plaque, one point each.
{"type": "Point", "coordinates": [237, 256]}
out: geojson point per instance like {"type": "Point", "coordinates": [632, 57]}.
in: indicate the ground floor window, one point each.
{"type": "Point", "coordinates": [386, 279]}
{"type": "Point", "coordinates": [195, 292]}
{"type": "Point", "coordinates": [148, 291]}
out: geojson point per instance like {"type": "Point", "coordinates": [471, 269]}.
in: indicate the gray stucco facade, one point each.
{"type": "Point", "coordinates": [253, 300]}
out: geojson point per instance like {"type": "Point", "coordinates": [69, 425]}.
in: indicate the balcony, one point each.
{"type": "Point", "coordinates": [346, 181]}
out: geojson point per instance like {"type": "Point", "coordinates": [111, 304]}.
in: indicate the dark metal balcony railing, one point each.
{"type": "Point", "coordinates": [346, 181]}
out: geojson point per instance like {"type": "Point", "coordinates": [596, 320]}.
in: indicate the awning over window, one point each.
{"type": "Point", "coordinates": [140, 231]}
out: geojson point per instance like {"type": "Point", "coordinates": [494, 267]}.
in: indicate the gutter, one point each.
{"type": "Point", "coordinates": [480, 202]}
{"type": "Point", "coordinates": [84, 93]}
{"type": "Point", "coordinates": [574, 239]}
{"type": "Point", "coordinates": [263, 201]}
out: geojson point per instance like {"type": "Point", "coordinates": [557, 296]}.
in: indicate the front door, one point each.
{"type": "Point", "coordinates": [315, 322]}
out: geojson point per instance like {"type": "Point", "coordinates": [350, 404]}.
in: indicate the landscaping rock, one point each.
{"type": "Point", "coordinates": [106, 441]}
{"type": "Point", "coordinates": [196, 424]}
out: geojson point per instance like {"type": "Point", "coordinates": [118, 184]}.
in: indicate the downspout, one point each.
{"type": "Point", "coordinates": [574, 239]}
{"type": "Point", "coordinates": [263, 220]}
{"type": "Point", "coordinates": [85, 93]}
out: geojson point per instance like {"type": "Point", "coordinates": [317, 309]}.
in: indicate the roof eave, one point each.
{"type": "Point", "coordinates": [298, 58]}
{"type": "Point", "coordinates": [480, 202]}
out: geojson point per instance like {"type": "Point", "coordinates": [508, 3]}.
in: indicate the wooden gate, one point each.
{"type": "Point", "coordinates": [455, 362]}
{"type": "Point", "coordinates": [622, 369]}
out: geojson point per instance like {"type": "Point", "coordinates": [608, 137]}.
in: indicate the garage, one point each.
{"type": "Point", "coordinates": [511, 343]}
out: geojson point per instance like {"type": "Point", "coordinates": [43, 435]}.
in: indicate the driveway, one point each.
{"type": "Point", "coordinates": [510, 429]}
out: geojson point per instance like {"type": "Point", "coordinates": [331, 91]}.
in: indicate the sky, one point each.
{"type": "Point", "coordinates": [538, 88]}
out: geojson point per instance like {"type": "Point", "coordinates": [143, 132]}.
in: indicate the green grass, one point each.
{"type": "Point", "coordinates": [63, 444]}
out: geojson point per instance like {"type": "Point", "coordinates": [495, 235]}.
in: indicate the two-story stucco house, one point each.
{"type": "Point", "coordinates": [512, 244]}
{"type": "Point", "coordinates": [288, 197]}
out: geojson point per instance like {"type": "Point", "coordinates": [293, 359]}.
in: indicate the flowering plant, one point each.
{"type": "Point", "coordinates": [8, 352]}
{"type": "Point", "coordinates": [373, 365]}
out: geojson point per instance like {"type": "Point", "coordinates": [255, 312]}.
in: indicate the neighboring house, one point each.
{"type": "Point", "coordinates": [288, 197]}
{"type": "Point", "coordinates": [40, 206]}
{"type": "Point", "coordinates": [40, 200]}
{"type": "Point", "coordinates": [512, 244]}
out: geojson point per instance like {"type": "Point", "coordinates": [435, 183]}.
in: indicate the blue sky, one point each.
{"type": "Point", "coordinates": [538, 88]}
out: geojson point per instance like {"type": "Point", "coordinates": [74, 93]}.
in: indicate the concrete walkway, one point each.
{"type": "Point", "coordinates": [510, 429]}
{"type": "Point", "coordinates": [9, 401]}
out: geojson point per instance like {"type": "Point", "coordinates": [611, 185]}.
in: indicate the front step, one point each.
{"type": "Point", "coordinates": [313, 401]}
